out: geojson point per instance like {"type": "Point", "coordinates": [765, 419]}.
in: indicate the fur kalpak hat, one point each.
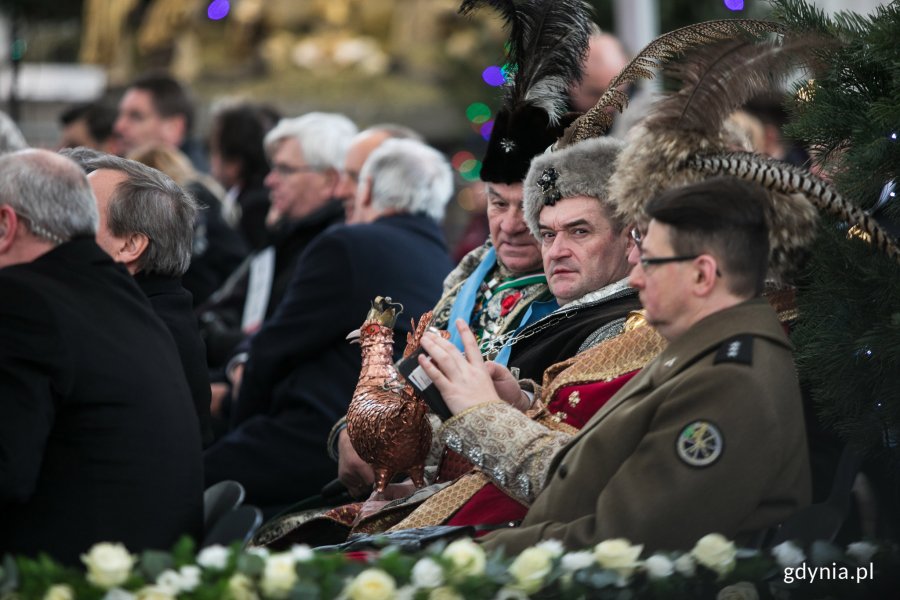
{"type": "Point", "coordinates": [582, 169]}
{"type": "Point", "coordinates": [548, 42]}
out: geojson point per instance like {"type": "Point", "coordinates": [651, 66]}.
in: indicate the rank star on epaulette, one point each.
{"type": "Point", "coordinates": [699, 444]}
{"type": "Point", "coordinates": [738, 349]}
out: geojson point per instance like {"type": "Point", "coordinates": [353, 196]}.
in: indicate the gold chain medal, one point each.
{"type": "Point", "coordinates": [700, 444]}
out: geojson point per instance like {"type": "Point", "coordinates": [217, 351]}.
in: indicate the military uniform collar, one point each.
{"type": "Point", "coordinates": [753, 317]}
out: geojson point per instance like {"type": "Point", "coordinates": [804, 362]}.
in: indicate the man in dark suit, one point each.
{"type": "Point", "coordinates": [301, 371]}
{"type": "Point", "coordinates": [98, 436]}
{"type": "Point", "coordinates": [307, 154]}
{"type": "Point", "coordinates": [146, 223]}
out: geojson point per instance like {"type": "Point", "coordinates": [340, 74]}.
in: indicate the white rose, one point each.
{"type": "Point", "coordinates": [279, 575]}
{"type": "Point", "coordinates": [372, 584]}
{"type": "Point", "coordinates": [118, 594]}
{"type": "Point", "coordinates": [507, 593]}
{"type": "Point", "coordinates": [715, 552]}
{"type": "Point", "coordinates": [861, 552]}
{"type": "Point", "coordinates": [574, 561]}
{"type": "Point", "coordinates": [467, 557]}
{"type": "Point", "coordinates": [659, 566]}
{"type": "Point", "coordinates": [153, 592]}
{"type": "Point", "coordinates": [685, 565]}
{"type": "Point", "coordinates": [407, 592]}
{"type": "Point", "coordinates": [240, 587]}
{"type": "Point", "coordinates": [302, 553]}
{"type": "Point", "coordinates": [214, 557]}
{"type": "Point", "coordinates": [190, 577]}
{"type": "Point", "coordinates": [59, 592]}
{"type": "Point", "coordinates": [444, 593]}
{"type": "Point", "coordinates": [427, 574]}
{"type": "Point", "coordinates": [739, 591]}
{"type": "Point", "coordinates": [554, 547]}
{"type": "Point", "coordinates": [618, 555]}
{"type": "Point", "coordinates": [108, 565]}
{"type": "Point", "coordinates": [788, 554]}
{"type": "Point", "coordinates": [530, 568]}
{"type": "Point", "coordinates": [169, 580]}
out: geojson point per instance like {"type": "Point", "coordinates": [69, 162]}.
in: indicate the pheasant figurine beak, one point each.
{"type": "Point", "coordinates": [353, 336]}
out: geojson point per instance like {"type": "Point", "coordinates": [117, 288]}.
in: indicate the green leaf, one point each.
{"type": "Point", "coordinates": [250, 565]}
{"type": "Point", "coordinates": [154, 562]}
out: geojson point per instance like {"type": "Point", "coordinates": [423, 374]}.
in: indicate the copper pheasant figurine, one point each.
{"type": "Point", "coordinates": [387, 424]}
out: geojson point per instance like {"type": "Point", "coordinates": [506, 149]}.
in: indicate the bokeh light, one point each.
{"type": "Point", "coordinates": [478, 112]}
{"type": "Point", "coordinates": [493, 76]}
{"type": "Point", "coordinates": [734, 4]}
{"type": "Point", "coordinates": [218, 9]}
{"type": "Point", "coordinates": [486, 129]}
{"type": "Point", "coordinates": [461, 157]}
{"type": "Point", "coordinates": [474, 173]}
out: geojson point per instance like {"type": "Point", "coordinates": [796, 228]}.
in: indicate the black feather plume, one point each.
{"type": "Point", "coordinates": [548, 42]}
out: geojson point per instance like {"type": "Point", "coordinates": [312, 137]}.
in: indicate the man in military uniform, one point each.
{"type": "Point", "coordinates": [709, 437]}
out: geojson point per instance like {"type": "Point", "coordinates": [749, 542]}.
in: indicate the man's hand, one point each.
{"type": "Point", "coordinates": [507, 386]}
{"type": "Point", "coordinates": [236, 376]}
{"type": "Point", "coordinates": [463, 380]}
{"type": "Point", "coordinates": [355, 473]}
{"type": "Point", "coordinates": [218, 393]}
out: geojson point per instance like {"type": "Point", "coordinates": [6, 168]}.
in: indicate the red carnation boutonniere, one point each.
{"type": "Point", "coordinates": [509, 302]}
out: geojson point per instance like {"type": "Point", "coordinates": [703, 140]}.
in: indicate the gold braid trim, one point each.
{"type": "Point", "coordinates": [443, 505]}
{"type": "Point", "coordinates": [631, 350]}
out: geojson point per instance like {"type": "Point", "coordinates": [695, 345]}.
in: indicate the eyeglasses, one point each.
{"type": "Point", "coordinates": [638, 236]}
{"type": "Point", "coordinates": [646, 262]}
{"type": "Point", "coordinates": [286, 170]}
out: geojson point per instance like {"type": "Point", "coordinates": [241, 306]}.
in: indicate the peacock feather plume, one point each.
{"type": "Point", "coordinates": [654, 55]}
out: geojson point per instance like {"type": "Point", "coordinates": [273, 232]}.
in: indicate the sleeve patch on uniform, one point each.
{"type": "Point", "coordinates": [699, 444]}
{"type": "Point", "coordinates": [738, 349]}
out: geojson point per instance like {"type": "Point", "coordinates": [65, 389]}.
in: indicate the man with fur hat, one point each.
{"type": "Point", "coordinates": [708, 437]}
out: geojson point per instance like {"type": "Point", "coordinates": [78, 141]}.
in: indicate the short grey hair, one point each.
{"type": "Point", "coordinates": [409, 176]}
{"type": "Point", "coordinates": [582, 169]}
{"type": "Point", "coordinates": [148, 201]}
{"type": "Point", "coordinates": [323, 137]}
{"type": "Point", "coordinates": [49, 193]}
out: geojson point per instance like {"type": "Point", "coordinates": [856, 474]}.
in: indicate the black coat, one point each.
{"type": "Point", "coordinates": [559, 336]}
{"type": "Point", "coordinates": [99, 440]}
{"type": "Point", "coordinates": [172, 303]}
{"type": "Point", "coordinates": [220, 317]}
{"type": "Point", "coordinates": [302, 371]}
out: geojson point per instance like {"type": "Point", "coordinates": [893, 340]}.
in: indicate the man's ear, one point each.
{"type": "Point", "coordinates": [365, 189]}
{"type": "Point", "coordinates": [9, 223]}
{"type": "Point", "coordinates": [132, 249]}
{"type": "Point", "coordinates": [706, 274]}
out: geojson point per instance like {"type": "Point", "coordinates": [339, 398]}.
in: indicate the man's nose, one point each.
{"type": "Point", "coordinates": [558, 248]}
{"type": "Point", "coordinates": [513, 222]}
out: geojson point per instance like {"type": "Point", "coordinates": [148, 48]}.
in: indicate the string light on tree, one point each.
{"type": "Point", "coordinates": [218, 9]}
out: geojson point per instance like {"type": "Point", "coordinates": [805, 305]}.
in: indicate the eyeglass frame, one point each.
{"type": "Point", "coordinates": [638, 238]}
{"type": "Point", "coordinates": [284, 170]}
